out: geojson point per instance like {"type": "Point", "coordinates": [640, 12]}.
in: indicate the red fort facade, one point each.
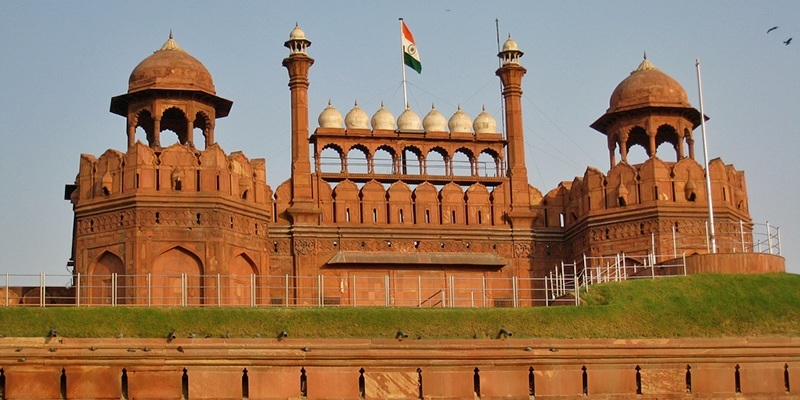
{"type": "Point", "coordinates": [424, 197]}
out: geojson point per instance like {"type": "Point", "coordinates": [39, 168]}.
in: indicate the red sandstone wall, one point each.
{"type": "Point", "coordinates": [735, 263]}
{"type": "Point", "coordinates": [388, 369]}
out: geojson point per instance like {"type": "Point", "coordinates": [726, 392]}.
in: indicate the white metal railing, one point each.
{"type": "Point", "coordinates": [731, 237]}
{"type": "Point", "coordinates": [217, 290]}
{"type": "Point", "coordinates": [563, 279]}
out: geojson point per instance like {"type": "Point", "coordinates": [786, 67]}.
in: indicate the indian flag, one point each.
{"type": "Point", "coordinates": [410, 55]}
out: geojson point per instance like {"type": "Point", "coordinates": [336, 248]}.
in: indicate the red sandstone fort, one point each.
{"type": "Point", "coordinates": [404, 198]}
{"type": "Point", "coordinates": [404, 211]}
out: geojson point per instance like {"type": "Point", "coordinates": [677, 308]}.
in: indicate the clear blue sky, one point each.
{"type": "Point", "coordinates": [61, 62]}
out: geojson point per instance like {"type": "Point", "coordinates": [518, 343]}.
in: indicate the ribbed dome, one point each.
{"type": "Point", "coordinates": [647, 86]}
{"type": "Point", "coordinates": [460, 122]}
{"type": "Point", "coordinates": [408, 121]}
{"type": "Point", "coordinates": [484, 123]}
{"type": "Point", "coordinates": [171, 68]}
{"type": "Point", "coordinates": [434, 121]}
{"type": "Point", "coordinates": [356, 118]}
{"type": "Point", "coordinates": [383, 119]}
{"type": "Point", "coordinates": [330, 117]}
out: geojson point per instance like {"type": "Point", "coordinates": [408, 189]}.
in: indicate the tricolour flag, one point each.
{"type": "Point", "coordinates": [410, 55]}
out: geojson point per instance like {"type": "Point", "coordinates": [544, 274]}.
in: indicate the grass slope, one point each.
{"type": "Point", "coordinates": [692, 306]}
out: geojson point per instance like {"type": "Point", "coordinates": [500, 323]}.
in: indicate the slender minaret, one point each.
{"type": "Point", "coordinates": [302, 208]}
{"type": "Point", "coordinates": [511, 74]}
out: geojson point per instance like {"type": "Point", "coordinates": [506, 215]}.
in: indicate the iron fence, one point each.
{"type": "Point", "coordinates": [351, 290]}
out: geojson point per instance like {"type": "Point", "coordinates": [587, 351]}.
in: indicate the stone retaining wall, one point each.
{"type": "Point", "coordinates": [391, 369]}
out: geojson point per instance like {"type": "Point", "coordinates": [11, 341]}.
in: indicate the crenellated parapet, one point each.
{"type": "Point", "coordinates": [177, 173]}
{"type": "Point", "coordinates": [633, 208]}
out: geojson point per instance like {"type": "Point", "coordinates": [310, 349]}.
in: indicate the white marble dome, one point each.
{"type": "Point", "coordinates": [434, 121]}
{"type": "Point", "coordinates": [383, 119]}
{"type": "Point", "coordinates": [330, 117]}
{"type": "Point", "coordinates": [297, 33]}
{"type": "Point", "coordinates": [460, 122]}
{"type": "Point", "coordinates": [484, 123]}
{"type": "Point", "coordinates": [510, 45]}
{"type": "Point", "coordinates": [408, 121]}
{"type": "Point", "coordinates": [356, 118]}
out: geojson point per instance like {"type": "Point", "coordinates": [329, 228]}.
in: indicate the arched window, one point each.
{"type": "Point", "coordinates": [330, 160]}
{"type": "Point", "coordinates": [383, 161]}
{"type": "Point", "coordinates": [436, 162]}
{"type": "Point", "coordinates": [357, 160]}
{"type": "Point", "coordinates": [410, 161]}
{"type": "Point", "coordinates": [462, 163]}
{"type": "Point", "coordinates": [488, 165]}
{"type": "Point", "coordinates": [174, 119]}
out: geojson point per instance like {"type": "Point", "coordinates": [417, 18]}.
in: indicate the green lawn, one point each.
{"type": "Point", "coordinates": [693, 306]}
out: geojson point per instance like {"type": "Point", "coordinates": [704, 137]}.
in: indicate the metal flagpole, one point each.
{"type": "Point", "coordinates": [403, 66]}
{"type": "Point", "coordinates": [705, 154]}
{"type": "Point", "coordinates": [500, 64]}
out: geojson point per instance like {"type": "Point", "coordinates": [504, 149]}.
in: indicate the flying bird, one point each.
{"type": "Point", "coordinates": [787, 41]}
{"type": "Point", "coordinates": [772, 29]}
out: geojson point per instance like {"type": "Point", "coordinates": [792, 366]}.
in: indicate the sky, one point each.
{"type": "Point", "coordinates": [61, 62]}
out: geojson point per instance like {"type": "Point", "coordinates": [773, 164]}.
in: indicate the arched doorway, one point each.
{"type": "Point", "coordinates": [240, 288]}
{"type": "Point", "coordinates": [177, 279]}
{"type": "Point", "coordinates": [101, 288]}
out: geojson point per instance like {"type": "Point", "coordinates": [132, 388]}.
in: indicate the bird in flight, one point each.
{"type": "Point", "coordinates": [787, 41]}
{"type": "Point", "coordinates": [772, 29]}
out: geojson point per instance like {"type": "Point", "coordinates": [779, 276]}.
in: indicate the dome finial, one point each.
{"type": "Point", "coordinates": [645, 55]}
{"type": "Point", "coordinates": [171, 44]}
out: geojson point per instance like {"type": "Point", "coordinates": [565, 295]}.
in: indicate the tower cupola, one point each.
{"type": "Point", "coordinates": [170, 90]}
{"type": "Point", "coordinates": [510, 53]}
{"type": "Point", "coordinates": [297, 42]}
{"type": "Point", "coordinates": [648, 108]}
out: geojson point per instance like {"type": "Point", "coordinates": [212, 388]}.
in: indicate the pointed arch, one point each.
{"type": "Point", "coordinates": [331, 159]}
{"type": "Point", "coordinates": [384, 160]}
{"type": "Point", "coordinates": [101, 273]}
{"type": "Point", "coordinates": [357, 161]}
{"type": "Point", "coordinates": [637, 136]}
{"type": "Point", "coordinates": [177, 278]}
{"type": "Point", "coordinates": [411, 161]}
{"type": "Point", "coordinates": [240, 286]}
{"type": "Point", "coordinates": [346, 203]}
{"type": "Point", "coordinates": [174, 119]}
{"type": "Point", "coordinates": [437, 162]}
{"type": "Point", "coordinates": [488, 164]}
{"type": "Point", "coordinates": [144, 119]}
{"type": "Point", "coordinates": [463, 162]}
{"type": "Point", "coordinates": [204, 125]}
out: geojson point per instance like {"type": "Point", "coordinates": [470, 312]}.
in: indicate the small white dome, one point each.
{"type": "Point", "coordinates": [408, 121]}
{"type": "Point", "coordinates": [383, 119]}
{"type": "Point", "coordinates": [356, 118]}
{"type": "Point", "coordinates": [330, 117]}
{"type": "Point", "coordinates": [434, 121]}
{"type": "Point", "coordinates": [484, 123]}
{"type": "Point", "coordinates": [460, 122]}
{"type": "Point", "coordinates": [297, 33]}
{"type": "Point", "coordinates": [511, 53]}
{"type": "Point", "coordinates": [510, 45]}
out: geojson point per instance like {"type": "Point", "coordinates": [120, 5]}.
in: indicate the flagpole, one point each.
{"type": "Point", "coordinates": [403, 66]}
{"type": "Point", "coordinates": [500, 64]}
{"type": "Point", "coordinates": [711, 233]}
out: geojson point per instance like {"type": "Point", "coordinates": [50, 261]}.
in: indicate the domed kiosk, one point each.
{"type": "Point", "coordinates": [648, 108]}
{"type": "Point", "coordinates": [171, 90]}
